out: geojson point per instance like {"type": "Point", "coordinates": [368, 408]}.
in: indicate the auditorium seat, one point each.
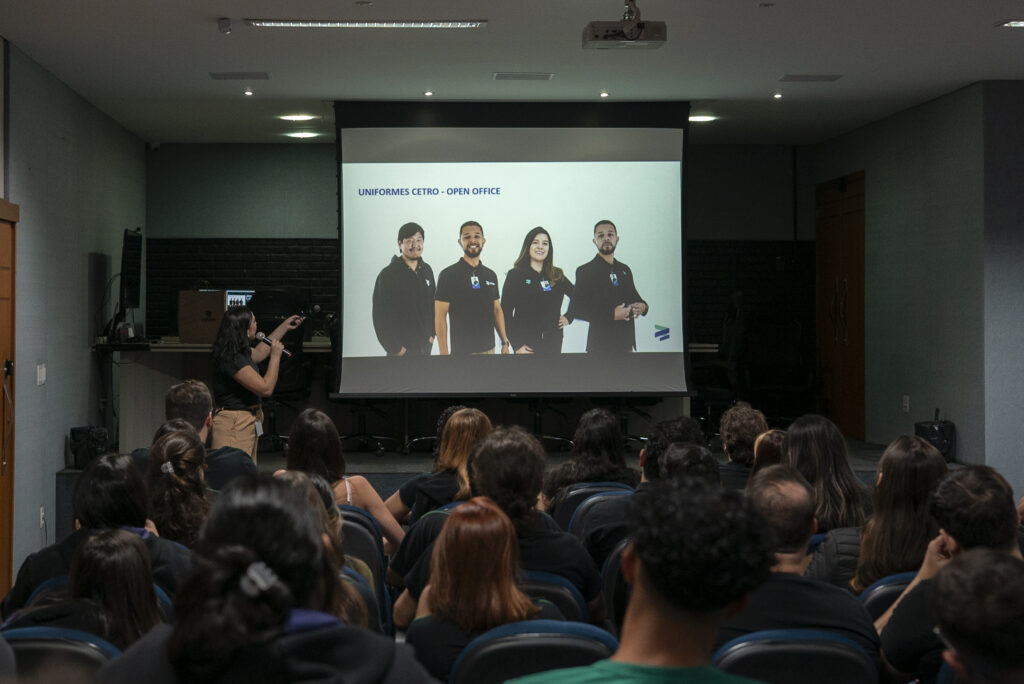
{"type": "Point", "coordinates": [877, 597]}
{"type": "Point", "coordinates": [616, 590]}
{"type": "Point", "coordinates": [362, 537]}
{"type": "Point", "coordinates": [39, 652]}
{"type": "Point", "coordinates": [578, 520]}
{"type": "Point", "coordinates": [558, 590]}
{"type": "Point", "coordinates": [577, 494]}
{"type": "Point", "coordinates": [796, 656]}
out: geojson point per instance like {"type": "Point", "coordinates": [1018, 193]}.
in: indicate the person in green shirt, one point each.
{"type": "Point", "coordinates": [685, 582]}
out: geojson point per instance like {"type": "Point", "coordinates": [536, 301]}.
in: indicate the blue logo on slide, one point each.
{"type": "Point", "coordinates": [660, 333]}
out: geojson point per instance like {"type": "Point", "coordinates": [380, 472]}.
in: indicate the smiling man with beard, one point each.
{"type": "Point", "coordinates": [403, 298]}
{"type": "Point", "coordinates": [467, 294]}
{"type": "Point", "coordinates": [606, 296]}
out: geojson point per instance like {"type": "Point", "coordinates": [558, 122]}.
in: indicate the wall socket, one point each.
{"type": "Point", "coordinates": [906, 403]}
{"type": "Point", "coordinates": [42, 517]}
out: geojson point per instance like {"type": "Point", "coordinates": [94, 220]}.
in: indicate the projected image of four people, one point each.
{"type": "Point", "coordinates": [462, 309]}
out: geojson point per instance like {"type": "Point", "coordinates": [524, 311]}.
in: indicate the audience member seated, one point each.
{"type": "Point", "coordinates": [973, 508]}
{"type": "Point", "coordinates": [767, 451]}
{"type": "Point", "coordinates": [472, 586]}
{"type": "Point", "coordinates": [788, 600]}
{"type": "Point", "coordinates": [191, 401]}
{"type": "Point", "coordinates": [315, 447]}
{"type": "Point", "coordinates": [109, 594]}
{"type": "Point", "coordinates": [816, 448]}
{"type": "Point", "coordinates": [448, 482]}
{"type": "Point", "coordinates": [695, 555]}
{"type": "Point", "coordinates": [979, 603]}
{"type": "Point", "coordinates": [691, 460]}
{"type": "Point", "coordinates": [896, 535]}
{"type": "Point", "coordinates": [606, 524]}
{"type": "Point", "coordinates": [110, 493]}
{"type": "Point", "coordinates": [507, 466]}
{"type": "Point", "coordinates": [257, 607]}
{"type": "Point", "coordinates": [740, 427]}
{"type": "Point", "coordinates": [598, 455]}
{"type": "Point", "coordinates": [178, 500]}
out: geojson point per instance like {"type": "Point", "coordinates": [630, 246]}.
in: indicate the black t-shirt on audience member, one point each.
{"type": "Point", "coordinates": [470, 292]}
{"type": "Point", "coordinates": [418, 539]}
{"type": "Point", "coordinates": [734, 475]}
{"type": "Point", "coordinates": [222, 465]}
{"type": "Point", "coordinates": [428, 491]}
{"type": "Point", "coordinates": [437, 641]}
{"type": "Point", "coordinates": [908, 642]}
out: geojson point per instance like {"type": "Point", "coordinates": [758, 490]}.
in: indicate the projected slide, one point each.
{"type": "Point", "coordinates": [455, 245]}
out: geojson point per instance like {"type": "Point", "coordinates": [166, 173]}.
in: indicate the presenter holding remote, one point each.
{"type": "Point", "coordinates": [403, 298]}
{"type": "Point", "coordinates": [467, 295]}
{"type": "Point", "coordinates": [238, 387]}
{"type": "Point", "coordinates": [532, 297]}
{"type": "Point", "coordinates": [606, 296]}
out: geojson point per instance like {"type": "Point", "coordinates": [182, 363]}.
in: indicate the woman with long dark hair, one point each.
{"type": "Point", "coordinates": [178, 498]}
{"type": "Point", "coordinates": [238, 387]}
{"type": "Point", "coordinates": [257, 605]}
{"type": "Point", "coordinates": [532, 296]}
{"type": "Point", "coordinates": [314, 447]}
{"type": "Point", "coordinates": [598, 455]}
{"type": "Point", "coordinates": [449, 481]}
{"type": "Point", "coordinates": [472, 586]}
{"type": "Point", "coordinates": [767, 451]}
{"type": "Point", "coordinates": [816, 448]}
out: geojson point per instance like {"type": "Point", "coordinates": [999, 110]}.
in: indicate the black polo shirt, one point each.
{"type": "Point", "coordinates": [470, 293]}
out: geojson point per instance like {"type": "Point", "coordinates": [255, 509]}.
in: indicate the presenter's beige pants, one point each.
{"type": "Point", "coordinates": [236, 429]}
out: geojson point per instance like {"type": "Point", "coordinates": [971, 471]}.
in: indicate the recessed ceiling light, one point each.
{"type": "Point", "coordinates": [702, 118]}
{"type": "Point", "coordinates": [777, 96]}
{"type": "Point", "coordinates": [339, 23]}
{"type": "Point", "coordinates": [297, 117]}
{"type": "Point", "coordinates": [302, 134]}
{"type": "Point", "coordinates": [429, 93]}
{"type": "Point", "coordinates": [1013, 23]}
{"type": "Point", "coordinates": [604, 93]}
{"type": "Point", "coordinates": [248, 92]}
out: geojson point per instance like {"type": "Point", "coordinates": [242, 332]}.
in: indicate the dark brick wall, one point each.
{"type": "Point", "coordinates": [309, 265]}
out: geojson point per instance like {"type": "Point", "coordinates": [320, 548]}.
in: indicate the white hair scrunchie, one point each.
{"type": "Point", "coordinates": [167, 467]}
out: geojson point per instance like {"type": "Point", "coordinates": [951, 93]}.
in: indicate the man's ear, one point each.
{"type": "Point", "coordinates": [630, 563]}
{"type": "Point", "coordinates": [209, 419]}
{"type": "Point", "coordinates": [642, 456]}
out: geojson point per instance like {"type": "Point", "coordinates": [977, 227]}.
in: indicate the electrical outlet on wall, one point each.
{"type": "Point", "coordinates": [42, 517]}
{"type": "Point", "coordinates": [906, 403]}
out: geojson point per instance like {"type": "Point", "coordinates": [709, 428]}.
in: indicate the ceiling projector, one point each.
{"type": "Point", "coordinates": [607, 35]}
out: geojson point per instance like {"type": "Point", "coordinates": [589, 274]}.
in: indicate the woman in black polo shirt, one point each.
{"type": "Point", "coordinates": [532, 297]}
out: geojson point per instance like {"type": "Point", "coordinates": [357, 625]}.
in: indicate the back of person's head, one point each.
{"type": "Point", "coordinates": [689, 459]}
{"type": "Point", "coordinates": [173, 425]}
{"type": "Point", "coordinates": [112, 569]}
{"type": "Point", "coordinates": [259, 556]}
{"type": "Point", "coordinates": [979, 605]}
{"type": "Point", "coordinates": [189, 400]}
{"type": "Point", "coordinates": [974, 505]}
{"type": "Point", "coordinates": [314, 446]}
{"type": "Point", "coordinates": [110, 493]}
{"type": "Point", "coordinates": [740, 427]}
{"type": "Point", "coordinates": [785, 499]}
{"type": "Point", "coordinates": [473, 569]}
{"type": "Point", "coordinates": [816, 448]}
{"type": "Point", "coordinates": [900, 526]}
{"type": "Point", "coordinates": [442, 420]}
{"type": "Point", "coordinates": [598, 438]}
{"type": "Point", "coordinates": [461, 433]}
{"type": "Point", "coordinates": [507, 466]}
{"type": "Point", "coordinates": [663, 433]}
{"type": "Point", "coordinates": [232, 335]}
{"type": "Point", "coordinates": [177, 491]}
{"type": "Point", "coordinates": [767, 450]}
{"type": "Point", "coordinates": [700, 548]}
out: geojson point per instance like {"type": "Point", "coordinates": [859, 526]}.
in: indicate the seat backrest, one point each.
{"type": "Point", "coordinates": [521, 648]}
{"type": "Point", "coordinates": [558, 590]}
{"type": "Point", "coordinates": [796, 656]}
{"type": "Point", "coordinates": [815, 542]}
{"type": "Point", "coordinates": [616, 590]}
{"type": "Point", "coordinates": [55, 583]}
{"type": "Point", "coordinates": [363, 538]}
{"type": "Point", "coordinates": [877, 597]}
{"type": "Point", "coordinates": [577, 494]}
{"type": "Point", "coordinates": [55, 653]}
{"type": "Point", "coordinates": [578, 520]}
{"type": "Point", "coordinates": [368, 596]}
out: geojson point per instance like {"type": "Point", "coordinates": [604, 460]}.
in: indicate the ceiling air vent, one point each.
{"type": "Point", "coordinates": [810, 78]}
{"type": "Point", "coordinates": [522, 76]}
{"type": "Point", "coordinates": [239, 75]}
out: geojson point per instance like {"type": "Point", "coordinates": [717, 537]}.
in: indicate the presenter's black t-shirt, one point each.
{"type": "Point", "coordinates": [470, 293]}
{"type": "Point", "coordinates": [227, 392]}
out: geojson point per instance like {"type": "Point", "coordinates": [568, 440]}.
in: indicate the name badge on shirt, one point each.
{"type": "Point", "coordinates": [545, 285]}
{"type": "Point", "coordinates": [614, 278]}
{"type": "Point", "coordinates": [474, 282]}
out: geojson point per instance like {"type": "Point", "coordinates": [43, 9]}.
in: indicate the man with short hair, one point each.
{"type": "Point", "coordinates": [695, 555]}
{"type": "Point", "coordinates": [403, 298]}
{"type": "Point", "coordinates": [740, 427]}
{"type": "Point", "coordinates": [974, 508]}
{"type": "Point", "coordinates": [467, 294]}
{"type": "Point", "coordinates": [979, 604]}
{"type": "Point", "coordinates": [191, 401]}
{"type": "Point", "coordinates": [788, 600]}
{"type": "Point", "coordinates": [606, 296]}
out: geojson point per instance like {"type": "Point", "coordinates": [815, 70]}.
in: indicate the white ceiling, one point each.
{"type": "Point", "coordinates": [147, 63]}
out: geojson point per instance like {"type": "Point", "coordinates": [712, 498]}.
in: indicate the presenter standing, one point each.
{"type": "Point", "coordinates": [606, 296]}
{"type": "Point", "coordinates": [532, 297]}
{"type": "Point", "coordinates": [403, 299]}
{"type": "Point", "coordinates": [467, 294]}
{"type": "Point", "coordinates": [238, 387]}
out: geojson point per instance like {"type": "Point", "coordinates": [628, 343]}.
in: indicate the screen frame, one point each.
{"type": "Point", "coordinates": [405, 114]}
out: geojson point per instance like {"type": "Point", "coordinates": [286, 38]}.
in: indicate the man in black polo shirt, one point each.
{"type": "Point", "coordinates": [467, 292]}
{"type": "Point", "coordinates": [606, 296]}
{"type": "Point", "coordinates": [403, 298]}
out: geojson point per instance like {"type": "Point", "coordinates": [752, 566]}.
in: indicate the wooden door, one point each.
{"type": "Point", "coordinates": [8, 219]}
{"type": "Point", "coordinates": [839, 302]}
